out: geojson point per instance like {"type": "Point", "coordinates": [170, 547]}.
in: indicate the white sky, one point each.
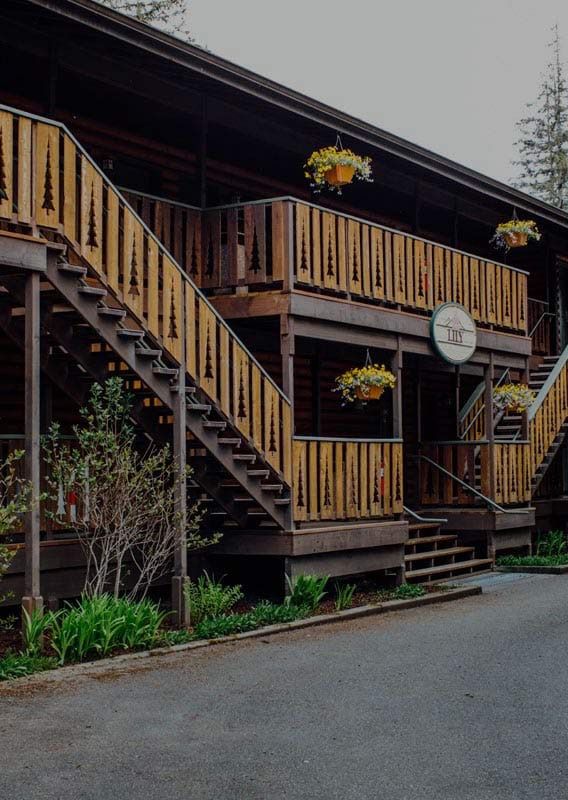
{"type": "Point", "coordinates": [450, 75]}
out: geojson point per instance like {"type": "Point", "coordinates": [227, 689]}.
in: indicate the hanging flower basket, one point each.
{"type": "Point", "coordinates": [335, 167]}
{"type": "Point", "coordinates": [364, 383]}
{"type": "Point", "coordinates": [516, 398]}
{"type": "Point", "coordinates": [515, 233]}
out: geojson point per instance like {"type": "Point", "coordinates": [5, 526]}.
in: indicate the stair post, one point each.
{"type": "Point", "coordinates": [180, 607]}
{"type": "Point", "coordinates": [32, 600]}
{"type": "Point", "coordinates": [488, 377]}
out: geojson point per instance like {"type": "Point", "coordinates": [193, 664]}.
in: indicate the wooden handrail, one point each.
{"type": "Point", "coordinates": [59, 187]}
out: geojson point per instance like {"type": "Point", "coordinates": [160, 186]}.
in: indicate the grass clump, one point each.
{"type": "Point", "coordinates": [404, 592]}
{"type": "Point", "coordinates": [17, 665]}
{"type": "Point", "coordinates": [531, 561]}
{"type": "Point", "coordinates": [306, 591]}
{"type": "Point", "coordinates": [99, 625]}
{"type": "Point", "coordinates": [209, 599]}
{"type": "Point", "coordinates": [344, 595]}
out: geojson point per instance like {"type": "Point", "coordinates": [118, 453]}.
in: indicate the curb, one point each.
{"type": "Point", "coordinates": [553, 569]}
{"type": "Point", "coordinates": [105, 664]}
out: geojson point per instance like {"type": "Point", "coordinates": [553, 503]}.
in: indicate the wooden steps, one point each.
{"type": "Point", "coordinates": [443, 555]}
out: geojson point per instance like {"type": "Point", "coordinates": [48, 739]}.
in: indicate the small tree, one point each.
{"type": "Point", "coordinates": [171, 15]}
{"type": "Point", "coordinates": [543, 143]}
{"type": "Point", "coordinates": [125, 499]}
{"type": "Point", "coordinates": [15, 495]}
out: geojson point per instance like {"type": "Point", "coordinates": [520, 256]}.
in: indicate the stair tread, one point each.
{"type": "Point", "coordinates": [448, 551]}
{"type": "Point", "coordinates": [459, 565]}
{"type": "Point", "coordinates": [431, 539]}
{"type": "Point", "coordinates": [415, 526]}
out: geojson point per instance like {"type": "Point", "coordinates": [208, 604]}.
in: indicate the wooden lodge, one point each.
{"type": "Point", "coordinates": [155, 222]}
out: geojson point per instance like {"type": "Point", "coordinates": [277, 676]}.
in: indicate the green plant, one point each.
{"type": "Point", "coordinates": [16, 665]}
{"type": "Point", "coordinates": [99, 625]}
{"type": "Point", "coordinates": [531, 561]}
{"type": "Point", "coordinates": [552, 545]}
{"type": "Point", "coordinates": [15, 500]}
{"type": "Point", "coordinates": [8, 623]}
{"type": "Point", "coordinates": [127, 518]}
{"type": "Point", "coordinates": [214, 628]}
{"type": "Point", "coordinates": [209, 599]}
{"type": "Point", "coordinates": [306, 591]}
{"type": "Point", "coordinates": [404, 592]}
{"type": "Point", "coordinates": [271, 614]}
{"type": "Point", "coordinates": [34, 626]}
{"type": "Point", "coordinates": [344, 595]}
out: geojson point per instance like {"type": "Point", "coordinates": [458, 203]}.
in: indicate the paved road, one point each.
{"type": "Point", "coordinates": [461, 702]}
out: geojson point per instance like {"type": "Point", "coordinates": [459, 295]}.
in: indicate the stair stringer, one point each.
{"type": "Point", "coordinates": [68, 286]}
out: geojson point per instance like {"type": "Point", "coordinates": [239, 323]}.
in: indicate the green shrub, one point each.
{"type": "Point", "coordinates": [16, 665]}
{"type": "Point", "coordinates": [225, 626]}
{"type": "Point", "coordinates": [34, 628]}
{"type": "Point", "coordinates": [531, 561]}
{"type": "Point", "coordinates": [344, 595]}
{"type": "Point", "coordinates": [552, 545]}
{"type": "Point", "coordinates": [209, 599]}
{"type": "Point", "coordinates": [306, 591]}
{"type": "Point", "coordinates": [8, 623]}
{"type": "Point", "coordinates": [98, 625]}
{"type": "Point", "coordinates": [271, 614]}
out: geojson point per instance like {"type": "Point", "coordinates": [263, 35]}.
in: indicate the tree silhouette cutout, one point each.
{"type": "Point", "coordinates": [242, 409]}
{"type": "Point", "coordinates": [378, 271]}
{"type": "Point", "coordinates": [172, 333]}
{"type": "Point", "coordinates": [326, 486]}
{"type": "Point", "coordinates": [3, 178]}
{"type": "Point", "coordinates": [330, 264]}
{"type": "Point", "coordinates": [255, 254]}
{"type": "Point", "coordinates": [133, 289]}
{"type": "Point", "coordinates": [300, 501]}
{"type": "Point", "coordinates": [208, 358]}
{"type": "Point", "coordinates": [272, 437]}
{"type": "Point", "coordinates": [193, 270]}
{"type": "Point", "coordinates": [355, 271]}
{"type": "Point", "coordinates": [47, 203]}
{"type": "Point", "coordinates": [92, 224]}
{"type": "Point", "coordinates": [303, 250]}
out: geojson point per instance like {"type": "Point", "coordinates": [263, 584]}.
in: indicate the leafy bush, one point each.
{"type": "Point", "coordinates": [209, 599]}
{"type": "Point", "coordinates": [271, 614]}
{"type": "Point", "coordinates": [344, 595]}
{"type": "Point", "coordinates": [306, 591]}
{"type": "Point", "coordinates": [98, 625]}
{"type": "Point", "coordinates": [8, 623]}
{"type": "Point", "coordinates": [553, 545]}
{"type": "Point", "coordinates": [16, 665]}
{"type": "Point", "coordinates": [33, 631]}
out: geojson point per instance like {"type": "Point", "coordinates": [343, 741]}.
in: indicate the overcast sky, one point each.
{"type": "Point", "coordinates": [450, 75]}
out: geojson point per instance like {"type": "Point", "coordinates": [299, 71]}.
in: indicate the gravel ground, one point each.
{"type": "Point", "coordinates": [465, 701]}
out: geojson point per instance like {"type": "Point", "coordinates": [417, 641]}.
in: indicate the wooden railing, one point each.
{"type": "Point", "coordinates": [337, 479]}
{"type": "Point", "coordinates": [548, 413]}
{"type": "Point", "coordinates": [52, 184]}
{"type": "Point", "coordinates": [286, 243]}
{"type": "Point", "coordinates": [499, 472]}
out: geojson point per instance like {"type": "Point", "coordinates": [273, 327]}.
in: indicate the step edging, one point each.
{"type": "Point", "coordinates": [106, 664]}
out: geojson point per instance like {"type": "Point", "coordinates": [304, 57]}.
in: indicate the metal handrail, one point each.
{"type": "Point", "coordinates": [542, 316]}
{"type": "Point", "coordinates": [547, 385]}
{"type": "Point", "coordinates": [420, 518]}
{"type": "Point", "coordinates": [476, 394]}
{"type": "Point", "coordinates": [471, 489]}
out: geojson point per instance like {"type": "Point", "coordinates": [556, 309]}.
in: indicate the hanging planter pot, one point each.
{"type": "Point", "coordinates": [340, 175]}
{"type": "Point", "coordinates": [514, 398]}
{"type": "Point", "coordinates": [336, 166]}
{"type": "Point", "coordinates": [515, 233]}
{"type": "Point", "coordinates": [369, 392]}
{"type": "Point", "coordinates": [364, 383]}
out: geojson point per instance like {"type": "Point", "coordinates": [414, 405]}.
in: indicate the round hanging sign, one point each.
{"type": "Point", "coordinates": [453, 333]}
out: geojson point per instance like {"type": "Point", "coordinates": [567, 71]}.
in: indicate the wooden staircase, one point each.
{"type": "Point", "coordinates": [114, 302]}
{"type": "Point", "coordinates": [431, 555]}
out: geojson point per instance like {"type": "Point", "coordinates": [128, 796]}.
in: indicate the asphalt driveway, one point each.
{"type": "Point", "coordinates": [465, 701]}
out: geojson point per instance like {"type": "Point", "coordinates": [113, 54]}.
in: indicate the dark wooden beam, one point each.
{"type": "Point", "coordinates": [32, 599]}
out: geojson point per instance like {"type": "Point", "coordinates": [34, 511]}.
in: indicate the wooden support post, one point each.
{"type": "Point", "coordinates": [397, 393]}
{"type": "Point", "coordinates": [204, 132]}
{"type": "Point", "coordinates": [32, 599]}
{"type": "Point", "coordinates": [525, 417]}
{"type": "Point", "coordinates": [53, 68]}
{"type": "Point", "coordinates": [315, 363]}
{"type": "Point", "coordinates": [287, 351]}
{"type": "Point", "coordinates": [180, 606]}
{"type": "Point", "coordinates": [457, 402]}
{"type": "Point", "coordinates": [488, 376]}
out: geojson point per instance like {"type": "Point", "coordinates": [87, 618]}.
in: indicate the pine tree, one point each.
{"type": "Point", "coordinates": [170, 15]}
{"type": "Point", "coordinates": [543, 142]}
